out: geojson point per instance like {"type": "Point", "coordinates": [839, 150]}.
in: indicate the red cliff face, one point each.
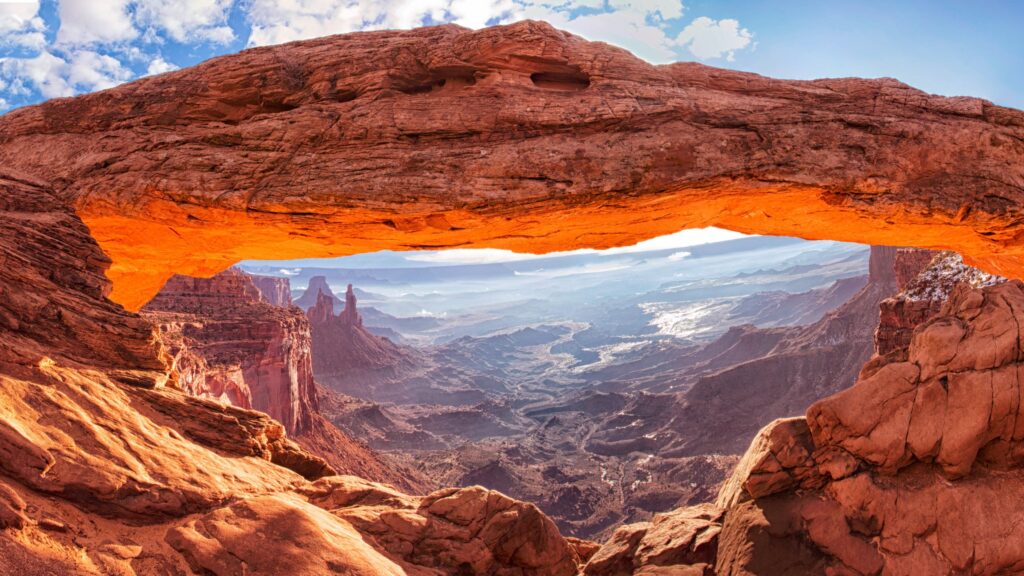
{"type": "Point", "coordinates": [231, 345]}
{"type": "Point", "coordinates": [916, 469]}
{"type": "Point", "coordinates": [273, 290]}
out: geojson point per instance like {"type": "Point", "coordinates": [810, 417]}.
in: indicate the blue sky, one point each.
{"type": "Point", "coordinates": [64, 47]}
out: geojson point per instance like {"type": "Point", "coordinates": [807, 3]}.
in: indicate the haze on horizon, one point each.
{"type": "Point", "coordinates": [469, 256]}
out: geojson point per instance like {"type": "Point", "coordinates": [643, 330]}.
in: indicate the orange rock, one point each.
{"type": "Point", "coordinates": [443, 137]}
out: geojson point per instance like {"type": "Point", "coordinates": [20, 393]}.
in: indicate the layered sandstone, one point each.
{"type": "Point", "coordinates": [521, 137]}
{"type": "Point", "coordinates": [273, 289]}
{"type": "Point", "coordinates": [230, 344]}
{"type": "Point", "coordinates": [916, 469]}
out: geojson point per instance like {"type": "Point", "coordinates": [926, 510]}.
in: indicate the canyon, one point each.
{"type": "Point", "coordinates": [118, 454]}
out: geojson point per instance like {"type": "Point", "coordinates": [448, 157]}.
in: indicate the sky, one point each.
{"type": "Point", "coordinates": [57, 48]}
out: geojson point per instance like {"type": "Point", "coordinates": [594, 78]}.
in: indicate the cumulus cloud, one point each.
{"type": "Point", "coordinates": [54, 76]}
{"type": "Point", "coordinates": [637, 25]}
{"type": "Point", "coordinates": [158, 66]}
{"type": "Point", "coordinates": [274, 22]}
{"type": "Point", "coordinates": [90, 22]}
{"type": "Point", "coordinates": [707, 38]}
{"type": "Point", "coordinates": [21, 26]}
{"type": "Point", "coordinates": [84, 22]}
{"type": "Point", "coordinates": [188, 20]}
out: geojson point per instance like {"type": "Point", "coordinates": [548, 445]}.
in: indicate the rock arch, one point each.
{"type": "Point", "coordinates": [521, 137]}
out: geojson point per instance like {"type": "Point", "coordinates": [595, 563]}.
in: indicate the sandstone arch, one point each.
{"type": "Point", "coordinates": [519, 137]}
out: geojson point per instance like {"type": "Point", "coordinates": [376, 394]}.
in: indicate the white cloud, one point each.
{"type": "Point", "coordinates": [637, 25]}
{"type": "Point", "coordinates": [629, 28]}
{"type": "Point", "coordinates": [20, 25]}
{"type": "Point", "coordinates": [92, 71]}
{"type": "Point", "coordinates": [4, 105]}
{"type": "Point", "coordinates": [84, 22]}
{"type": "Point", "coordinates": [707, 38]}
{"type": "Point", "coordinates": [274, 22]}
{"type": "Point", "coordinates": [158, 66]}
{"type": "Point", "coordinates": [54, 77]}
{"type": "Point", "coordinates": [188, 20]}
{"type": "Point", "coordinates": [667, 9]}
{"type": "Point", "coordinates": [681, 239]}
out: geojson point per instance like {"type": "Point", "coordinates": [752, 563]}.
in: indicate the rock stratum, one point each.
{"type": "Point", "coordinates": [521, 137]}
{"type": "Point", "coordinates": [229, 343]}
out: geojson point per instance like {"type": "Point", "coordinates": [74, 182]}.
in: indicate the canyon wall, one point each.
{"type": "Point", "coordinates": [230, 344]}
{"type": "Point", "coordinates": [106, 468]}
{"type": "Point", "coordinates": [915, 469]}
{"type": "Point", "coordinates": [273, 289]}
{"type": "Point", "coordinates": [797, 366]}
{"type": "Point", "coordinates": [521, 137]}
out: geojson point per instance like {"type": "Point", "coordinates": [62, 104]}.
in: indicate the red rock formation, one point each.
{"type": "Point", "coordinates": [233, 346]}
{"type": "Point", "coordinates": [53, 304]}
{"type": "Point", "coordinates": [455, 137]}
{"type": "Point", "coordinates": [274, 290]}
{"type": "Point", "coordinates": [900, 315]}
{"type": "Point", "coordinates": [916, 469]}
{"type": "Point", "coordinates": [343, 350]}
{"type": "Point", "coordinates": [922, 295]}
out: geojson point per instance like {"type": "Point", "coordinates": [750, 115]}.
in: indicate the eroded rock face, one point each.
{"type": "Point", "coordinates": [273, 290]}
{"type": "Point", "coordinates": [444, 137]}
{"type": "Point", "coordinates": [52, 292]}
{"type": "Point", "coordinates": [684, 541]}
{"type": "Point", "coordinates": [925, 280]}
{"type": "Point", "coordinates": [916, 469]}
{"type": "Point", "coordinates": [102, 474]}
{"type": "Point", "coordinates": [231, 345]}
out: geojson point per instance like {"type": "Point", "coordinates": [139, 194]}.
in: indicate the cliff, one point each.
{"type": "Point", "coordinates": [756, 375]}
{"type": "Point", "coordinates": [231, 345]}
{"type": "Point", "coordinates": [274, 290]}
{"type": "Point", "coordinates": [316, 286]}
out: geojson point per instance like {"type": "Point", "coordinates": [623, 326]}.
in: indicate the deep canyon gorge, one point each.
{"type": "Point", "coordinates": [162, 412]}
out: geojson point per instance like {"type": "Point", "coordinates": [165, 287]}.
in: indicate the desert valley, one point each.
{"type": "Point", "coordinates": [447, 301]}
